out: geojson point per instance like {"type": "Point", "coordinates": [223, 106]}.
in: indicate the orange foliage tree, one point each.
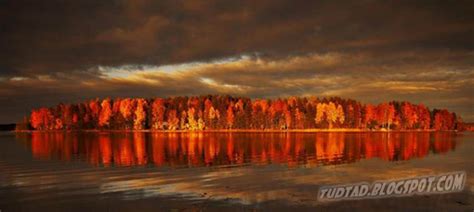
{"type": "Point", "coordinates": [158, 114]}
{"type": "Point", "coordinates": [330, 113]}
{"type": "Point", "coordinates": [140, 114]}
{"type": "Point", "coordinates": [204, 112]}
{"type": "Point", "coordinates": [105, 113]}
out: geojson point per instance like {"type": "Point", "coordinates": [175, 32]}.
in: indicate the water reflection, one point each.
{"type": "Point", "coordinates": [211, 149]}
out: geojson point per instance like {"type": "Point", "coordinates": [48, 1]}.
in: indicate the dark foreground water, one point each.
{"type": "Point", "coordinates": [93, 171]}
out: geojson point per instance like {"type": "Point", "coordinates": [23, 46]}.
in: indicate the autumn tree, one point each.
{"type": "Point", "coordinates": [330, 113]}
{"type": "Point", "coordinates": [126, 111]}
{"type": "Point", "coordinates": [158, 114]}
{"type": "Point", "coordinates": [192, 122]}
{"type": "Point", "coordinates": [230, 117]}
{"type": "Point", "coordinates": [105, 113]}
{"type": "Point", "coordinates": [443, 120]}
{"type": "Point", "coordinates": [183, 125]}
{"type": "Point", "coordinates": [227, 112]}
{"type": "Point", "coordinates": [370, 118]}
{"type": "Point", "coordinates": [409, 115]}
{"type": "Point", "coordinates": [385, 114]}
{"type": "Point", "coordinates": [41, 119]}
{"type": "Point", "coordinates": [93, 112]}
{"type": "Point", "coordinates": [140, 114]}
{"type": "Point", "coordinates": [424, 117]}
{"type": "Point", "coordinates": [173, 120]}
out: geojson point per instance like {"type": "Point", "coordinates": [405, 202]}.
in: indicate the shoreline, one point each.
{"type": "Point", "coordinates": [241, 131]}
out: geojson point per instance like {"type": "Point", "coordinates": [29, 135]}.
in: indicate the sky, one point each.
{"type": "Point", "coordinates": [373, 51]}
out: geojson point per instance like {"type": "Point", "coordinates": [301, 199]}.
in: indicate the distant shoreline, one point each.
{"type": "Point", "coordinates": [243, 131]}
{"type": "Point", "coordinates": [7, 127]}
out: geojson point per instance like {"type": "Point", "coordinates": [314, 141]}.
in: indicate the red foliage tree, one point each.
{"type": "Point", "coordinates": [140, 114]}
{"type": "Point", "coordinates": [41, 119]}
{"type": "Point", "coordinates": [157, 114]}
{"type": "Point", "coordinates": [198, 113]}
{"type": "Point", "coordinates": [105, 113]}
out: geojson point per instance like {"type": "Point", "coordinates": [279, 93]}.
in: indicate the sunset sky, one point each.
{"type": "Point", "coordinates": [372, 51]}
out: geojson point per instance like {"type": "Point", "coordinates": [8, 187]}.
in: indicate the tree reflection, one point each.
{"type": "Point", "coordinates": [208, 149]}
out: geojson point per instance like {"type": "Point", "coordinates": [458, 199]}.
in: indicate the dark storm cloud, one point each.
{"type": "Point", "coordinates": [66, 51]}
{"type": "Point", "coordinates": [46, 36]}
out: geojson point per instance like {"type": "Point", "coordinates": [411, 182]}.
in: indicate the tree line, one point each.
{"type": "Point", "coordinates": [227, 112]}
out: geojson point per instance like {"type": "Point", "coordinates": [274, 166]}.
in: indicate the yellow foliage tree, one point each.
{"type": "Point", "coordinates": [140, 114]}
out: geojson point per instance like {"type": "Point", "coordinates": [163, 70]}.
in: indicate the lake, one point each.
{"type": "Point", "coordinates": [146, 171]}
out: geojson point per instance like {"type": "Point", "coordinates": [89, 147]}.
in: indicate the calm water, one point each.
{"type": "Point", "coordinates": [214, 171]}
